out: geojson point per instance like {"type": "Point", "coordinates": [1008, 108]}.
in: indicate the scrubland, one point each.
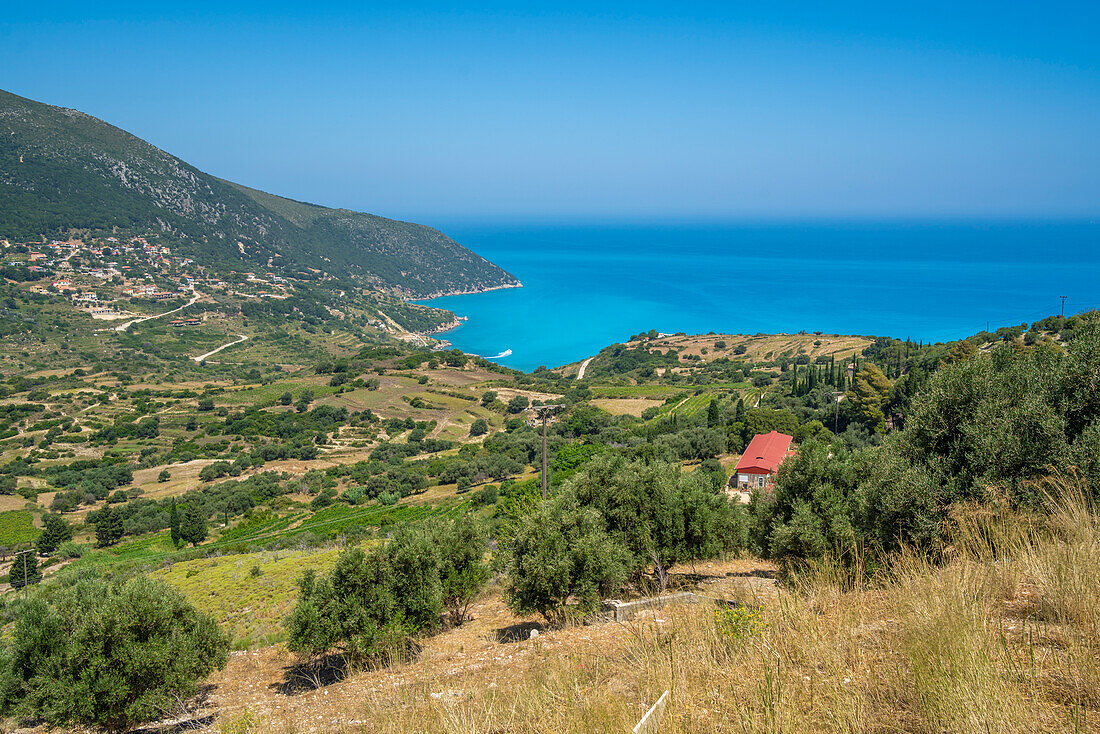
{"type": "Point", "coordinates": [995, 632]}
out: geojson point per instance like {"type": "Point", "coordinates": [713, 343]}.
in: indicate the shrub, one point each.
{"type": "Point", "coordinates": [562, 552]}
{"type": "Point", "coordinates": [70, 550]}
{"type": "Point", "coordinates": [109, 655]}
{"type": "Point", "coordinates": [370, 605]}
{"type": "Point", "coordinates": [487, 495]}
{"type": "Point", "coordinates": [326, 497]}
{"type": "Point", "coordinates": [739, 624]}
{"type": "Point", "coordinates": [479, 427]}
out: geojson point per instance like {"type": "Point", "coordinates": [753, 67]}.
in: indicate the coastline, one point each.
{"type": "Point", "coordinates": [443, 294]}
{"type": "Point", "coordinates": [457, 320]}
{"type": "Point", "coordinates": [442, 328]}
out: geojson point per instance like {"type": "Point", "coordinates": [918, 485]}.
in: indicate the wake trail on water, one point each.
{"type": "Point", "coordinates": [502, 355]}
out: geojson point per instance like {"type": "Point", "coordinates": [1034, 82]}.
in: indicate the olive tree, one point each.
{"type": "Point", "coordinates": [371, 604]}
{"type": "Point", "coordinates": [462, 568]}
{"type": "Point", "coordinates": [108, 654]}
{"type": "Point", "coordinates": [660, 514]}
{"type": "Point", "coordinates": [562, 552]}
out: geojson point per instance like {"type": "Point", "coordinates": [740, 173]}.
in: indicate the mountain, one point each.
{"type": "Point", "coordinates": [63, 170]}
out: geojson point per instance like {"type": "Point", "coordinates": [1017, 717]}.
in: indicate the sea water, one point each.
{"type": "Point", "coordinates": [588, 286]}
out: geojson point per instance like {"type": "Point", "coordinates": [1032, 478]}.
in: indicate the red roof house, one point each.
{"type": "Point", "coordinates": [761, 459]}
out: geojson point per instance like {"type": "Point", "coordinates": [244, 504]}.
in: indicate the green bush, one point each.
{"type": "Point", "coordinates": [658, 513]}
{"type": "Point", "coordinates": [487, 495]}
{"type": "Point", "coordinates": [108, 655]}
{"type": "Point", "coordinates": [562, 552]}
{"type": "Point", "coordinates": [70, 550]}
{"type": "Point", "coordinates": [371, 604]}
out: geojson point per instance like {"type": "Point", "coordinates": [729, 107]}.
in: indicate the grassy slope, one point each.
{"type": "Point", "coordinates": [971, 646]}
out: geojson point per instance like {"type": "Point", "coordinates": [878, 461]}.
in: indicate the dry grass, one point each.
{"type": "Point", "coordinates": [626, 406]}
{"type": "Point", "coordinates": [999, 636]}
{"type": "Point", "coordinates": [762, 347]}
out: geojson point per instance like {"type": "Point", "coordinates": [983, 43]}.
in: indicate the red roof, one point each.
{"type": "Point", "coordinates": [764, 453]}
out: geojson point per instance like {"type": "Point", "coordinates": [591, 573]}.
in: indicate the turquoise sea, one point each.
{"type": "Point", "coordinates": [587, 286]}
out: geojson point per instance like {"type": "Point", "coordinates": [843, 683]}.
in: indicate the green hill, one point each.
{"type": "Point", "coordinates": [62, 170]}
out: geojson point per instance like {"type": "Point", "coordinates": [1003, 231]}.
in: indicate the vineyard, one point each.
{"type": "Point", "coordinates": [17, 528]}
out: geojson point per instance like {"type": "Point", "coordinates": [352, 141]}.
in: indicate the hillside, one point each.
{"type": "Point", "coordinates": [308, 449]}
{"type": "Point", "coordinates": [62, 170]}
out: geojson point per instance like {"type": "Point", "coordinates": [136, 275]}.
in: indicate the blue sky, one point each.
{"type": "Point", "coordinates": [643, 111]}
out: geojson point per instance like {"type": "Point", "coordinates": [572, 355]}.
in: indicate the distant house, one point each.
{"type": "Point", "coordinates": [761, 460]}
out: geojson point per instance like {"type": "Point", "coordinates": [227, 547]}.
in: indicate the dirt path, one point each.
{"type": "Point", "coordinates": [240, 338]}
{"type": "Point", "coordinates": [584, 366]}
{"type": "Point", "coordinates": [128, 324]}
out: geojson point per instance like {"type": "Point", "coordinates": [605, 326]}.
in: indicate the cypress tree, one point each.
{"type": "Point", "coordinates": [108, 527]}
{"type": "Point", "coordinates": [714, 416]}
{"type": "Point", "coordinates": [174, 523]}
{"type": "Point", "coordinates": [192, 525]}
{"type": "Point", "coordinates": [55, 531]}
{"type": "Point", "coordinates": [24, 570]}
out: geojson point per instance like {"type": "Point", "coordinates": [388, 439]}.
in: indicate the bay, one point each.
{"type": "Point", "coordinates": [589, 285]}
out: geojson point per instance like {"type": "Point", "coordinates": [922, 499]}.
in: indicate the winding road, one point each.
{"type": "Point", "coordinates": [128, 324]}
{"type": "Point", "coordinates": [584, 366]}
{"type": "Point", "coordinates": [240, 338]}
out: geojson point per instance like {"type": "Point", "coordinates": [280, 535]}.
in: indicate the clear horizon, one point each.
{"type": "Point", "coordinates": [612, 112]}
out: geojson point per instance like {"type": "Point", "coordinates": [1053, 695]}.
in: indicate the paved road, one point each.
{"type": "Point", "coordinates": [584, 366]}
{"type": "Point", "coordinates": [240, 338]}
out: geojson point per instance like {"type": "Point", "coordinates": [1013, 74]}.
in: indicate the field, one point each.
{"type": "Point", "coordinates": [625, 406]}
{"type": "Point", "coordinates": [762, 347]}
{"type": "Point", "coordinates": [249, 594]}
{"type": "Point", "coordinates": [17, 527]}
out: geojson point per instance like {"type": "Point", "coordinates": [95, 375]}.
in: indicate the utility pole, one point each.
{"type": "Point", "coordinates": [544, 413]}
{"type": "Point", "coordinates": [1063, 305]}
